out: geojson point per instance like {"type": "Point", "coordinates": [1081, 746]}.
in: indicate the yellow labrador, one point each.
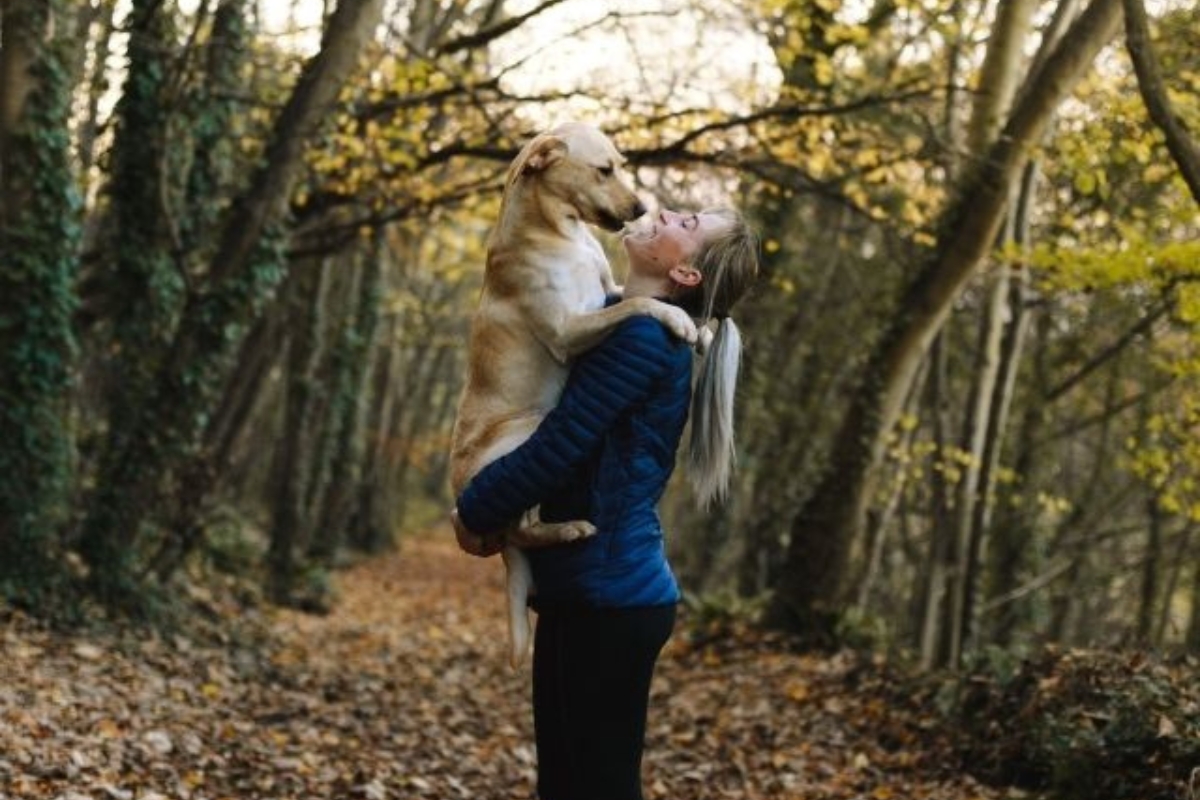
{"type": "Point", "coordinates": [542, 304]}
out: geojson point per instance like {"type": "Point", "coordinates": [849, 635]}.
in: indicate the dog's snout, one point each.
{"type": "Point", "coordinates": [638, 209]}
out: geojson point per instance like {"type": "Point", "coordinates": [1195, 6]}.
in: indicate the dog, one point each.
{"type": "Point", "coordinates": [545, 284]}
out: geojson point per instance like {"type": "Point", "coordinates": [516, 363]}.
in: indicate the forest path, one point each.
{"type": "Point", "coordinates": [403, 692]}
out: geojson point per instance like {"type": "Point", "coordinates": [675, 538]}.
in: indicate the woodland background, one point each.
{"type": "Point", "coordinates": [239, 250]}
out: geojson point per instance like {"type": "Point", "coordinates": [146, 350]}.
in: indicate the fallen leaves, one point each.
{"type": "Point", "coordinates": [403, 692]}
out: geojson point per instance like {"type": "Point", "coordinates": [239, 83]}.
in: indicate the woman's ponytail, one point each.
{"type": "Point", "coordinates": [711, 449]}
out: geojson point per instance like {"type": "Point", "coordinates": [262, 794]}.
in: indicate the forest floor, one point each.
{"type": "Point", "coordinates": [402, 691]}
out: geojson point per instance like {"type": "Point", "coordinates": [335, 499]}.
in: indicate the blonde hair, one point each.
{"type": "Point", "coordinates": [728, 262]}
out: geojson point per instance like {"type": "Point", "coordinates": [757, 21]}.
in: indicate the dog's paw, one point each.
{"type": "Point", "coordinates": [704, 339]}
{"type": "Point", "coordinates": [544, 534]}
{"type": "Point", "coordinates": [679, 322]}
{"type": "Point", "coordinates": [576, 529]}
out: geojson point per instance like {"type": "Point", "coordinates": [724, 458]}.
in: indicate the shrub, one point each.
{"type": "Point", "coordinates": [1085, 725]}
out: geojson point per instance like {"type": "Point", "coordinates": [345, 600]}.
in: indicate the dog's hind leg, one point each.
{"type": "Point", "coordinates": [520, 584]}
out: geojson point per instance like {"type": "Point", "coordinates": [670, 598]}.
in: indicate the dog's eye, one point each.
{"type": "Point", "coordinates": [607, 172]}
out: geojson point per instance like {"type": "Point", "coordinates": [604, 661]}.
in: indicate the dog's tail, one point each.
{"type": "Point", "coordinates": [520, 582]}
{"type": "Point", "coordinates": [711, 451]}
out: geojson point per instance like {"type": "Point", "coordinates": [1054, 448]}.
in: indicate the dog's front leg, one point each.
{"type": "Point", "coordinates": [534, 532]}
{"type": "Point", "coordinates": [580, 332]}
{"type": "Point", "coordinates": [611, 287]}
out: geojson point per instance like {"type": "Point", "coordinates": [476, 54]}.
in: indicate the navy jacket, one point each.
{"type": "Point", "coordinates": [604, 454]}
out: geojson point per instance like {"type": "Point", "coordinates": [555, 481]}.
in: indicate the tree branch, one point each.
{"type": "Point", "coordinates": [1110, 352]}
{"type": "Point", "coordinates": [1154, 95]}
{"type": "Point", "coordinates": [482, 37]}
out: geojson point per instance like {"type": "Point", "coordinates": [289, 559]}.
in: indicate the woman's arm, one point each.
{"type": "Point", "coordinates": [604, 382]}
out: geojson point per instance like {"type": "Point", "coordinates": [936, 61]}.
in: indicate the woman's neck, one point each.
{"type": "Point", "coordinates": [637, 285]}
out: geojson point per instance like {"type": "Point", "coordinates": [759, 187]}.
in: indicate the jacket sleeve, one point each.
{"type": "Point", "coordinates": [604, 382]}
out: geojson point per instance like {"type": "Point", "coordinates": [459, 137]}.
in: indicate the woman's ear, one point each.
{"type": "Point", "coordinates": [685, 275]}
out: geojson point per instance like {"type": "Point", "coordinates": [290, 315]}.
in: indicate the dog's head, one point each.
{"type": "Point", "coordinates": [577, 165]}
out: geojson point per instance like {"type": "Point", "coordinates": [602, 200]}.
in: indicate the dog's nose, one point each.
{"type": "Point", "coordinates": [638, 209]}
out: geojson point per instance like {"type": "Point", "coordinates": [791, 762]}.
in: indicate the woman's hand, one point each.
{"type": "Point", "coordinates": [482, 545]}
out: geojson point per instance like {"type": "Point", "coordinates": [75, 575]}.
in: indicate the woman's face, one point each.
{"type": "Point", "coordinates": [669, 241]}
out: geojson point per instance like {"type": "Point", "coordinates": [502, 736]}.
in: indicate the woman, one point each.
{"type": "Point", "coordinates": [606, 604]}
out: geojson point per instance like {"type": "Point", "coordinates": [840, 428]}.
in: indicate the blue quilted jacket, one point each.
{"type": "Point", "coordinates": [603, 454]}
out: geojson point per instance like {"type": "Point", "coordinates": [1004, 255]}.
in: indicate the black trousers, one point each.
{"type": "Point", "coordinates": [591, 686]}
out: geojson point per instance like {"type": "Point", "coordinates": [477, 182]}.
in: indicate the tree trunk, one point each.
{"type": "Point", "coordinates": [370, 519]}
{"type": "Point", "coordinates": [418, 414]}
{"type": "Point", "coordinates": [26, 25]}
{"type": "Point", "coordinates": [976, 437]}
{"type": "Point", "coordinates": [260, 353]}
{"type": "Point", "coordinates": [882, 522]}
{"type": "Point", "coordinates": [212, 120]}
{"type": "Point", "coordinates": [1192, 641]}
{"type": "Point", "coordinates": [39, 234]}
{"type": "Point", "coordinates": [930, 584]}
{"type": "Point", "coordinates": [1064, 607]}
{"type": "Point", "coordinates": [1152, 556]}
{"type": "Point", "coordinates": [89, 126]}
{"type": "Point", "coordinates": [344, 469]}
{"type": "Point", "coordinates": [244, 270]}
{"type": "Point", "coordinates": [1000, 73]}
{"type": "Point", "coordinates": [209, 470]}
{"type": "Point", "coordinates": [293, 453]}
{"type": "Point", "coordinates": [824, 530]}
{"type": "Point", "coordinates": [1151, 570]}
{"type": "Point", "coordinates": [998, 83]}
{"type": "Point", "coordinates": [953, 107]}
{"type": "Point", "coordinates": [144, 281]}
{"type": "Point", "coordinates": [1177, 564]}
{"type": "Point", "coordinates": [143, 284]}
{"type": "Point", "coordinates": [1011, 349]}
{"type": "Point", "coordinates": [1016, 528]}
{"type": "Point", "coordinates": [942, 559]}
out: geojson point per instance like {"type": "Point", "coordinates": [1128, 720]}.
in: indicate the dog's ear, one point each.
{"type": "Point", "coordinates": [544, 150]}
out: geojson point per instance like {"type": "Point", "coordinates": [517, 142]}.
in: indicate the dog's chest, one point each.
{"type": "Point", "coordinates": [585, 292]}
{"type": "Point", "coordinates": [578, 284]}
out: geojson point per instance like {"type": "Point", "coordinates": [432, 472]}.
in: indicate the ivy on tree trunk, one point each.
{"type": "Point", "coordinates": [39, 235]}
